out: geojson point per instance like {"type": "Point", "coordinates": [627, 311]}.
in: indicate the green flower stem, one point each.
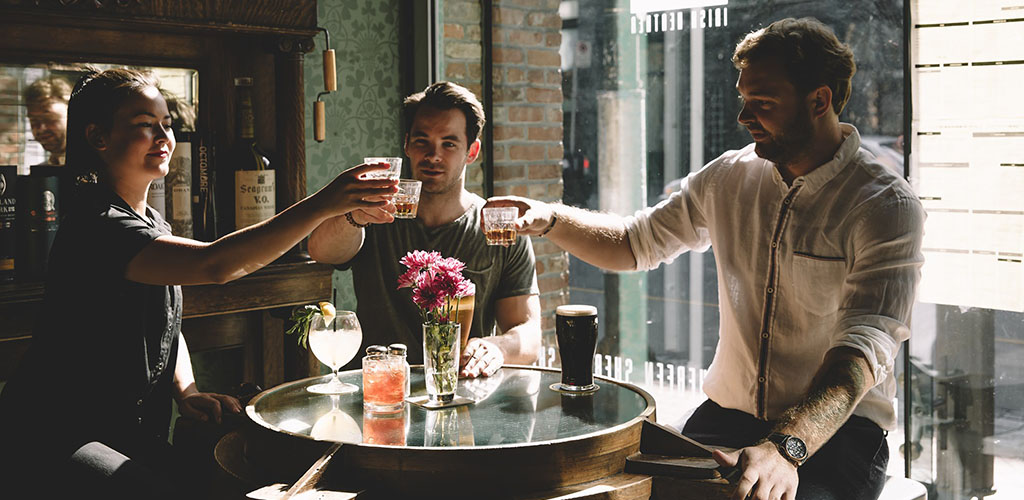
{"type": "Point", "coordinates": [441, 346]}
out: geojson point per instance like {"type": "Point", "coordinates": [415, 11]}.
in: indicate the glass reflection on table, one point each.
{"type": "Point", "coordinates": [336, 425]}
{"type": "Point", "coordinates": [512, 407]}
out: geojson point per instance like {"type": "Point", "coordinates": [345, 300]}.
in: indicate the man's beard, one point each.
{"type": "Point", "coordinates": [785, 146]}
{"type": "Point", "coordinates": [437, 187]}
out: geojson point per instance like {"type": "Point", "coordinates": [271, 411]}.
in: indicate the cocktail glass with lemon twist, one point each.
{"type": "Point", "coordinates": [334, 340]}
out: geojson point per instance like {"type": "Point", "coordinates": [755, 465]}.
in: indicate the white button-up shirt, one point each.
{"type": "Point", "coordinates": [832, 260]}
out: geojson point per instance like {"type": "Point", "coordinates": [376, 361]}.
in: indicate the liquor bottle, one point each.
{"type": "Point", "coordinates": [178, 187]}
{"type": "Point", "coordinates": [204, 209]}
{"type": "Point", "coordinates": [156, 196]}
{"type": "Point", "coordinates": [8, 177]}
{"type": "Point", "coordinates": [36, 220]}
{"type": "Point", "coordinates": [255, 193]}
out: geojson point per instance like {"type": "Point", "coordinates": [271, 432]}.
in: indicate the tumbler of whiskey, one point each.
{"type": "Point", "coordinates": [407, 200]}
{"type": "Point", "coordinates": [500, 225]}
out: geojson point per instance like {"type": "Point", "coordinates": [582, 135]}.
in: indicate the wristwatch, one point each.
{"type": "Point", "coordinates": [792, 448]}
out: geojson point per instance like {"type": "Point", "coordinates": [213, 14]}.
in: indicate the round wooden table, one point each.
{"type": "Point", "coordinates": [519, 439]}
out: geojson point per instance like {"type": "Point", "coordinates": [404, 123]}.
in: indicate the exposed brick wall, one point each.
{"type": "Point", "coordinates": [527, 111]}
{"type": "Point", "coordinates": [461, 53]}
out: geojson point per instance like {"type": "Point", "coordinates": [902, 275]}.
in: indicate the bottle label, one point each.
{"type": "Point", "coordinates": [179, 183]}
{"type": "Point", "coordinates": [155, 198]}
{"type": "Point", "coordinates": [254, 197]}
{"type": "Point", "coordinates": [182, 203]}
{"type": "Point", "coordinates": [203, 209]}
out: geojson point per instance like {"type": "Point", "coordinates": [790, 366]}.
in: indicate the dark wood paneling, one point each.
{"type": "Point", "coordinates": [19, 306]}
{"type": "Point", "coordinates": [34, 43]}
{"type": "Point", "coordinates": [11, 351]}
{"type": "Point", "coordinates": [256, 16]}
{"type": "Point", "coordinates": [220, 331]}
{"type": "Point", "coordinates": [272, 355]}
{"type": "Point", "coordinates": [276, 285]}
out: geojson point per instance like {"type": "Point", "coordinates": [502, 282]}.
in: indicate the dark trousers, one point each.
{"type": "Point", "coordinates": [851, 465]}
{"type": "Point", "coordinates": [34, 468]}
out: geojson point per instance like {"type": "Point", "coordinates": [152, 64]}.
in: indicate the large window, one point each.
{"type": "Point", "coordinates": [649, 97]}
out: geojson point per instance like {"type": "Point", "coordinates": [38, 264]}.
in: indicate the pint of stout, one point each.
{"type": "Point", "coordinates": [576, 329]}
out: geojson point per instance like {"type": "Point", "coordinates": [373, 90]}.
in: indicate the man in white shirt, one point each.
{"type": "Point", "coordinates": [818, 254]}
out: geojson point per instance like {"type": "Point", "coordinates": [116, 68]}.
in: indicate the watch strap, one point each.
{"type": "Point", "coordinates": [782, 442]}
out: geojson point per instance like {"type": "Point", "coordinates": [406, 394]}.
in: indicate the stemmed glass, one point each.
{"type": "Point", "coordinates": [335, 341]}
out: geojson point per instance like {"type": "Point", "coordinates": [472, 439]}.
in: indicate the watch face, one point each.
{"type": "Point", "coordinates": [796, 448]}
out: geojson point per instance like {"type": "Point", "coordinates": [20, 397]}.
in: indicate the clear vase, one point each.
{"type": "Point", "coordinates": [441, 360]}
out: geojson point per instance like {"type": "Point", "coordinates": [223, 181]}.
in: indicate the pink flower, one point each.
{"type": "Point", "coordinates": [434, 280]}
{"type": "Point", "coordinates": [450, 265]}
{"type": "Point", "coordinates": [416, 260]}
{"type": "Point", "coordinates": [408, 279]}
{"type": "Point", "coordinates": [429, 295]}
{"type": "Point", "coordinates": [465, 289]}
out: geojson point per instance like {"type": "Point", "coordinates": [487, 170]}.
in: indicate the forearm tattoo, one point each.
{"type": "Point", "coordinates": [834, 393]}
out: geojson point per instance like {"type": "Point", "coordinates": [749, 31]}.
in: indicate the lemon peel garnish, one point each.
{"type": "Point", "coordinates": [328, 311]}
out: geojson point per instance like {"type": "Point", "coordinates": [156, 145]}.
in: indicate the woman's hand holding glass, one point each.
{"type": "Point", "coordinates": [352, 191]}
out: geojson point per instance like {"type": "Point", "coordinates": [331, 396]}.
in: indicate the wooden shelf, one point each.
{"type": "Point", "coordinates": [277, 285]}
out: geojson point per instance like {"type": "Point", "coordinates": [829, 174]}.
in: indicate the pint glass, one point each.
{"type": "Point", "coordinates": [576, 330]}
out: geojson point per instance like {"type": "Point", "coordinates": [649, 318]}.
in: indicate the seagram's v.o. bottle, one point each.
{"type": "Point", "coordinates": [255, 191]}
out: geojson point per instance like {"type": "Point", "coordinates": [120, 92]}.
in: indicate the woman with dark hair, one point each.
{"type": "Point", "coordinates": [91, 400]}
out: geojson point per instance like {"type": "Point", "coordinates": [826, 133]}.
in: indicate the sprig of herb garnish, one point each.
{"type": "Point", "coordinates": [303, 318]}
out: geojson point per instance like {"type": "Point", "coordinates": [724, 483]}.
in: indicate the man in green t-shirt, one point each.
{"type": "Point", "coordinates": [442, 136]}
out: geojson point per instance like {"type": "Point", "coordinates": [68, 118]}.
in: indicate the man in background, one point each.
{"type": "Point", "coordinates": [46, 100]}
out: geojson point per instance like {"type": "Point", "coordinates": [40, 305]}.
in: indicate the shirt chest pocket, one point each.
{"type": "Point", "coordinates": [482, 278]}
{"type": "Point", "coordinates": [818, 282]}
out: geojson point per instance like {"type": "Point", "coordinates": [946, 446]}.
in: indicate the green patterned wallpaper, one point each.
{"type": "Point", "coordinates": [363, 115]}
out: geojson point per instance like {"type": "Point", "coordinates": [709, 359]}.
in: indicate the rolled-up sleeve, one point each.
{"type": "Point", "coordinates": [879, 291]}
{"type": "Point", "coordinates": [660, 233]}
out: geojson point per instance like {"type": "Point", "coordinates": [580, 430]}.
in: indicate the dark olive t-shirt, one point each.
{"type": "Point", "coordinates": [388, 315]}
{"type": "Point", "coordinates": [104, 348]}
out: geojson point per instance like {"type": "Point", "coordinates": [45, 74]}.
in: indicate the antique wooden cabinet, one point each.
{"type": "Point", "coordinates": [221, 39]}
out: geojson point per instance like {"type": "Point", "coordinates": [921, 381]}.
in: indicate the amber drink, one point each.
{"type": "Point", "coordinates": [463, 308]}
{"type": "Point", "coordinates": [500, 225]}
{"type": "Point", "coordinates": [407, 200]}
